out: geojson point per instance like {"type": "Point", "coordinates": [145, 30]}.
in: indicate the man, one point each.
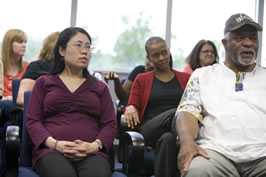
{"type": "Point", "coordinates": [221, 119]}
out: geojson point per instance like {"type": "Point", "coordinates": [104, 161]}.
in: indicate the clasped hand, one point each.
{"type": "Point", "coordinates": [76, 149]}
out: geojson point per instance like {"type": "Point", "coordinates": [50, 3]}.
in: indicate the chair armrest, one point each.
{"type": "Point", "coordinates": [131, 149]}
{"type": "Point", "coordinates": [12, 145]}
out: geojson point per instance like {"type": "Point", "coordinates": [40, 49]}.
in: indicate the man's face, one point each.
{"type": "Point", "coordinates": [241, 47]}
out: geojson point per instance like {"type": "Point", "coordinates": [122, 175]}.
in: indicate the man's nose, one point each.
{"type": "Point", "coordinates": [247, 41]}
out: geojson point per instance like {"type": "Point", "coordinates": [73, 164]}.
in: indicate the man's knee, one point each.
{"type": "Point", "coordinates": [200, 167]}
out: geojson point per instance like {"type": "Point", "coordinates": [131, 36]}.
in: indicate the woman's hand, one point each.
{"type": "Point", "coordinates": [84, 148]}
{"type": "Point", "coordinates": [68, 148]}
{"type": "Point", "coordinates": [7, 98]}
{"type": "Point", "coordinates": [77, 149]}
{"type": "Point", "coordinates": [131, 116]}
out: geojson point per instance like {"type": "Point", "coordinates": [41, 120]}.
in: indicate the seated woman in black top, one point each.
{"type": "Point", "coordinates": [38, 68]}
{"type": "Point", "coordinates": [122, 90]}
{"type": "Point", "coordinates": [152, 103]}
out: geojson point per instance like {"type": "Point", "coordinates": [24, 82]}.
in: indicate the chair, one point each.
{"type": "Point", "coordinates": [130, 144]}
{"type": "Point", "coordinates": [15, 88]}
{"type": "Point", "coordinates": [136, 159]}
{"type": "Point", "coordinates": [10, 134]}
{"type": "Point", "coordinates": [25, 167]}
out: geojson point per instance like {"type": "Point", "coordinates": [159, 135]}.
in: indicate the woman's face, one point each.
{"type": "Point", "coordinates": [159, 55]}
{"type": "Point", "coordinates": [207, 55]}
{"type": "Point", "coordinates": [77, 53]}
{"type": "Point", "coordinates": [19, 48]}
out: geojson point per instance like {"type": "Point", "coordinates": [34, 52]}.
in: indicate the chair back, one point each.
{"type": "Point", "coordinates": [25, 148]}
{"type": "Point", "coordinates": [15, 89]}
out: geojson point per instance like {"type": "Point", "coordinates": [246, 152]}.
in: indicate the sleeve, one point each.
{"type": "Point", "coordinates": [135, 94]}
{"type": "Point", "coordinates": [191, 100]}
{"type": "Point", "coordinates": [32, 71]}
{"type": "Point", "coordinates": [107, 120]}
{"type": "Point", "coordinates": [1, 78]}
{"type": "Point", "coordinates": [135, 72]}
{"type": "Point", "coordinates": [35, 115]}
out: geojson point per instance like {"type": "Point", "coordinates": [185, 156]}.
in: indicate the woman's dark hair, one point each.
{"type": "Point", "coordinates": [62, 41]}
{"type": "Point", "coordinates": [157, 39]}
{"type": "Point", "coordinates": [193, 59]}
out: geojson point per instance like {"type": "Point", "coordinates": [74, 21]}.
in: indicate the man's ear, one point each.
{"type": "Point", "coordinates": [224, 42]}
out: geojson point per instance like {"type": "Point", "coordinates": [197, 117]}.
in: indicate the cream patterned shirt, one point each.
{"type": "Point", "coordinates": [233, 122]}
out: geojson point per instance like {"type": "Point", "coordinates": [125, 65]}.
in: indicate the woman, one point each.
{"type": "Point", "coordinates": [39, 67]}
{"type": "Point", "coordinates": [153, 100]}
{"type": "Point", "coordinates": [71, 119]}
{"type": "Point", "coordinates": [203, 54]}
{"type": "Point", "coordinates": [13, 50]}
{"type": "Point", "coordinates": [13, 66]}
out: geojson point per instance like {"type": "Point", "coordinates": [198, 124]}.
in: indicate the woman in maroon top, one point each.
{"type": "Point", "coordinates": [152, 103]}
{"type": "Point", "coordinates": [71, 119]}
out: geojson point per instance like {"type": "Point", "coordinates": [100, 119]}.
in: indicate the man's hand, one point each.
{"type": "Point", "coordinates": [111, 76]}
{"type": "Point", "coordinates": [187, 152]}
{"type": "Point", "coordinates": [131, 116]}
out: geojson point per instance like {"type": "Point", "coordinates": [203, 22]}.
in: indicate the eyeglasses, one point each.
{"type": "Point", "coordinates": [163, 52]}
{"type": "Point", "coordinates": [81, 46]}
{"type": "Point", "coordinates": [207, 51]}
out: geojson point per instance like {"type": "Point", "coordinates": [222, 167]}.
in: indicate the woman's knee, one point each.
{"type": "Point", "coordinates": [94, 166]}
{"type": "Point", "coordinates": [55, 165]}
{"type": "Point", "coordinates": [168, 137]}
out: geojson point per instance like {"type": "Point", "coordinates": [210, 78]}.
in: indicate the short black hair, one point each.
{"type": "Point", "coordinates": [157, 39]}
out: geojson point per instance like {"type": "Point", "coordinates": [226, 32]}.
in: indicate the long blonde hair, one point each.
{"type": "Point", "coordinates": [46, 52]}
{"type": "Point", "coordinates": [12, 35]}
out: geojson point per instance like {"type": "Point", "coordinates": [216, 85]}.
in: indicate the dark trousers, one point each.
{"type": "Point", "coordinates": [157, 133]}
{"type": "Point", "coordinates": [56, 165]}
{"type": "Point", "coordinates": [6, 107]}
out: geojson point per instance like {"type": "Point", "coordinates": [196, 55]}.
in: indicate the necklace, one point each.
{"type": "Point", "coordinates": [239, 81]}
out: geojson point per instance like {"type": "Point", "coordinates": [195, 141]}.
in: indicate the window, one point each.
{"type": "Point", "coordinates": [263, 47]}
{"type": "Point", "coordinates": [195, 20]}
{"type": "Point", "coordinates": [36, 18]}
{"type": "Point", "coordinates": [119, 30]}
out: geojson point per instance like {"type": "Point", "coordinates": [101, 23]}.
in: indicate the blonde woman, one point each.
{"type": "Point", "coordinates": [13, 67]}
{"type": "Point", "coordinates": [39, 67]}
{"type": "Point", "coordinates": [13, 50]}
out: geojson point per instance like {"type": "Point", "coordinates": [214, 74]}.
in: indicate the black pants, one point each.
{"type": "Point", "coordinates": [157, 133]}
{"type": "Point", "coordinates": [56, 165]}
